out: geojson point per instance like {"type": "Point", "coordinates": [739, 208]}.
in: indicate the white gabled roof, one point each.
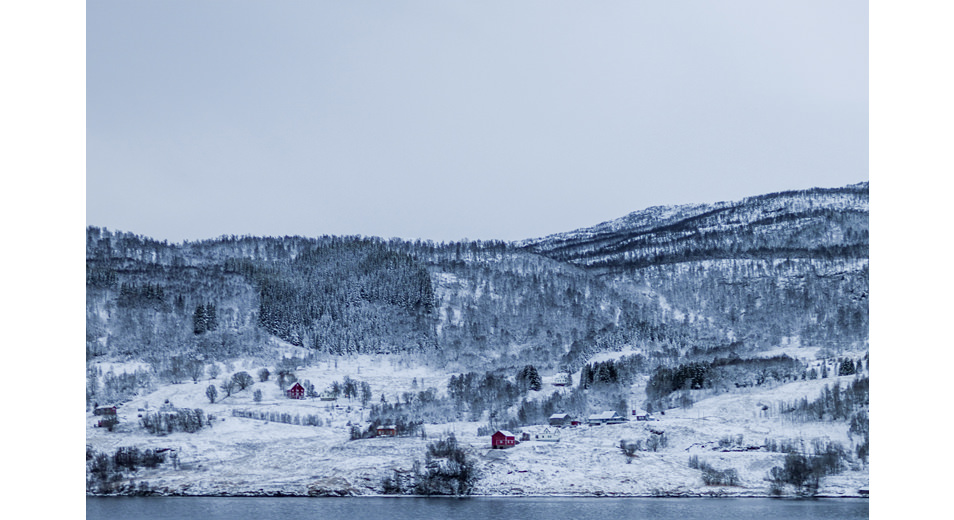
{"type": "Point", "coordinates": [560, 416]}
{"type": "Point", "coordinates": [609, 414]}
{"type": "Point", "coordinates": [505, 432]}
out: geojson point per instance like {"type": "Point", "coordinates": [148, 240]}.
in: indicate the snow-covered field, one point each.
{"type": "Point", "coordinates": [248, 456]}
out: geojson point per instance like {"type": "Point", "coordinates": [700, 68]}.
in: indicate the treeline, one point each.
{"type": "Point", "coordinates": [723, 372]}
{"type": "Point", "coordinates": [804, 472]}
{"type": "Point", "coordinates": [833, 403]}
{"type": "Point", "coordinates": [105, 472]}
{"type": "Point", "coordinates": [621, 371]}
{"type": "Point", "coordinates": [170, 420]}
{"type": "Point", "coordinates": [848, 403]}
{"type": "Point", "coordinates": [131, 294]}
{"type": "Point", "coordinates": [492, 392]}
{"type": "Point", "coordinates": [409, 415]}
{"type": "Point", "coordinates": [111, 388]}
{"type": "Point", "coordinates": [280, 417]}
{"type": "Point", "coordinates": [349, 388]}
{"type": "Point", "coordinates": [712, 476]}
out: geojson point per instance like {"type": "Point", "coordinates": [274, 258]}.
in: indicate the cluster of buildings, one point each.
{"type": "Point", "coordinates": [503, 439]}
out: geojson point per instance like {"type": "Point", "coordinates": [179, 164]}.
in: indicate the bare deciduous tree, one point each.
{"type": "Point", "coordinates": [228, 386]}
{"type": "Point", "coordinates": [243, 380]}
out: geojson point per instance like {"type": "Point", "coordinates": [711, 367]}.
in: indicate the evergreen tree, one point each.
{"type": "Point", "coordinates": [533, 379]}
{"type": "Point", "coordinates": [529, 378]}
{"type": "Point", "coordinates": [365, 393]}
{"type": "Point", "coordinates": [211, 393]}
{"type": "Point", "coordinates": [199, 323]}
{"type": "Point", "coordinates": [211, 322]}
{"type": "Point", "coordinates": [846, 368]}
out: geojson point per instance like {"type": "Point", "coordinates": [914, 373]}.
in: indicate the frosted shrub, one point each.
{"type": "Point", "coordinates": [629, 448]}
{"type": "Point", "coordinates": [447, 470]}
{"type": "Point", "coordinates": [655, 442]}
{"type": "Point", "coordinates": [712, 476]}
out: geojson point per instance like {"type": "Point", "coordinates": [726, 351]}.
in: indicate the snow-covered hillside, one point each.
{"type": "Point", "coordinates": [734, 318]}
{"type": "Point", "coordinates": [238, 456]}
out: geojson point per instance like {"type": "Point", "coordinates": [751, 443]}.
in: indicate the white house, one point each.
{"type": "Point", "coordinates": [607, 417]}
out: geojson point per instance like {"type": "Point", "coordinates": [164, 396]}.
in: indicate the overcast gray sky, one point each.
{"type": "Point", "coordinates": [450, 119]}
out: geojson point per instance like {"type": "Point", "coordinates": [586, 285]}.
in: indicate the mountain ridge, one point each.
{"type": "Point", "coordinates": [783, 265]}
{"type": "Point", "coordinates": [597, 244]}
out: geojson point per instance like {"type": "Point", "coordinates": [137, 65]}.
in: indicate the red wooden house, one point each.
{"type": "Point", "coordinates": [295, 392]}
{"type": "Point", "coordinates": [502, 439]}
{"type": "Point", "coordinates": [389, 430]}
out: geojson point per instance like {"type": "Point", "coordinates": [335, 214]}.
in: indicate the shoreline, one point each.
{"type": "Point", "coordinates": [278, 494]}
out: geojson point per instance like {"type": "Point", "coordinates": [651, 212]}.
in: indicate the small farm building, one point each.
{"type": "Point", "coordinates": [607, 417]}
{"type": "Point", "coordinates": [561, 380]}
{"type": "Point", "coordinates": [389, 430]}
{"type": "Point", "coordinates": [296, 391]}
{"type": "Point", "coordinates": [105, 410]}
{"type": "Point", "coordinates": [561, 419]}
{"type": "Point", "coordinates": [643, 416]}
{"type": "Point", "coordinates": [502, 439]}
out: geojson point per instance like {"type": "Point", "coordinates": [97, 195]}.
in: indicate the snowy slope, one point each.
{"type": "Point", "coordinates": [239, 456]}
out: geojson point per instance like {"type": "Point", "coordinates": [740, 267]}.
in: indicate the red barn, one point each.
{"type": "Point", "coordinates": [295, 392]}
{"type": "Point", "coordinates": [503, 439]}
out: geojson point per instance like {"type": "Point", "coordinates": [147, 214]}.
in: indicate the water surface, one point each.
{"type": "Point", "coordinates": [408, 508]}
